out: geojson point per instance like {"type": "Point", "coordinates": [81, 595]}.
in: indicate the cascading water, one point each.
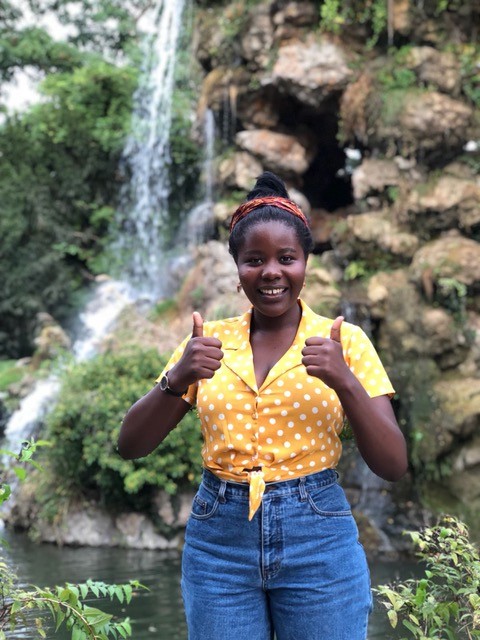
{"type": "Point", "coordinates": [143, 212]}
{"type": "Point", "coordinates": [198, 224]}
{"type": "Point", "coordinates": [100, 313]}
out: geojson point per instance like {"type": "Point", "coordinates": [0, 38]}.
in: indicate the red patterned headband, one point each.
{"type": "Point", "coordinates": [274, 201]}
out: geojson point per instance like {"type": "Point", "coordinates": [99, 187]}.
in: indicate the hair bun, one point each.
{"type": "Point", "coordinates": [268, 184]}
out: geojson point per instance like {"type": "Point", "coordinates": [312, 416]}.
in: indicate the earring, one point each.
{"type": "Point", "coordinates": [239, 287]}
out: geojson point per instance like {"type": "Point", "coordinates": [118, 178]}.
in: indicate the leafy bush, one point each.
{"type": "Point", "coordinates": [84, 426]}
{"type": "Point", "coordinates": [58, 190]}
{"type": "Point", "coordinates": [9, 373]}
{"type": "Point", "coordinates": [445, 604]}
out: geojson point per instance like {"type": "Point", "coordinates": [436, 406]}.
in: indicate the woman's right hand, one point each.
{"type": "Point", "coordinates": [200, 359]}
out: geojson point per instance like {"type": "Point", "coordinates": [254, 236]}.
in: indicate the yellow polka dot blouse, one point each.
{"type": "Point", "coordinates": [290, 426]}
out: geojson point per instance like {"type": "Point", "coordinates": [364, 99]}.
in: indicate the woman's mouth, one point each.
{"type": "Point", "coordinates": [271, 292]}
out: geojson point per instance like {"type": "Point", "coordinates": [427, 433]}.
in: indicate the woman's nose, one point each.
{"type": "Point", "coordinates": [271, 270]}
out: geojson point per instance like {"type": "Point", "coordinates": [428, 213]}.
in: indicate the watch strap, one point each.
{"type": "Point", "coordinates": [165, 386]}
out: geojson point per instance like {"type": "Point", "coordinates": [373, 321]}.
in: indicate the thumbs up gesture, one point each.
{"type": "Point", "coordinates": [200, 359]}
{"type": "Point", "coordinates": [323, 357]}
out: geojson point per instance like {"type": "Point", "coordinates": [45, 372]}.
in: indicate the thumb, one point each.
{"type": "Point", "coordinates": [197, 331]}
{"type": "Point", "coordinates": [335, 331]}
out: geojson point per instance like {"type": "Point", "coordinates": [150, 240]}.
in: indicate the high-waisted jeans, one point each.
{"type": "Point", "coordinates": [295, 572]}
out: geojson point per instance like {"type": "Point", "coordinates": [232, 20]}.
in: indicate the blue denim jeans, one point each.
{"type": "Point", "coordinates": [295, 572]}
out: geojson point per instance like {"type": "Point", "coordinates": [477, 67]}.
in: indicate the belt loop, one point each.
{"type": "Point", "coordinates": [302, 489]}
{"type": "Point", "coordinates": [221, 492]}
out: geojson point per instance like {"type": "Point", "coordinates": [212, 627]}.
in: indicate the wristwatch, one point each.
{"type": "Point", "coordinates": [164, 386]}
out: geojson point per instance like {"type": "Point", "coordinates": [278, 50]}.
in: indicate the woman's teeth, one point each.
{"type": "Point", "coordinates": [271, 292]}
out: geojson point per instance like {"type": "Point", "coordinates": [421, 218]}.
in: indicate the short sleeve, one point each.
{"type": "Point", "coordinates": [365, 363]}
{"type": "Point", "coordinates": [190, 395]}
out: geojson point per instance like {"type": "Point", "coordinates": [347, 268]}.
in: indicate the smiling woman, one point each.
{"type": "Point", "coordinates": [271, 546]}
{"type": "Point", "coordinates": [271, 269]}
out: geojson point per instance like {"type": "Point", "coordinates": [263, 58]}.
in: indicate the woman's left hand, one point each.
{"type": "Point", "coordinates": [323, 357]}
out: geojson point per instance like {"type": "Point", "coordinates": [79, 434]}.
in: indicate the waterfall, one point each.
{"type": "Point", "coordinates": [198, 224]}
{"type": "Point", "coordinates": [143, 213]}
{"type": "Point", "coordinates": [100, 313]}
{"type": "Point", "coordinates": [107, 301]}
{"type": "Point", "coordinates": [143, 210]}
{"type": "Point", "coordinates": [199, 221]}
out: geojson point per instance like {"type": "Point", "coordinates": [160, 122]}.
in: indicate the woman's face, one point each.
{"type": "Point", "coordinates": [271, 267]}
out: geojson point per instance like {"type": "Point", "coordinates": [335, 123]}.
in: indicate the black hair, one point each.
{"type": "Point", "coordinates": [269, 184]}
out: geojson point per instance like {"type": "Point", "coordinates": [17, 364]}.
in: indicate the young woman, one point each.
{"type": "Point", "coordinates": [271, 547]}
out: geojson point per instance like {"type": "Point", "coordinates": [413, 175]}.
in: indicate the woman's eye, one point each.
{"type": "Point", "coordinates": [286, 259]}
{"type": "Point", "coordinates": [254, 261]}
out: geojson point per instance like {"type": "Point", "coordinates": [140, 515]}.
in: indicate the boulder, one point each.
{"type": "Point", "coordinates": [401, 17]}
{"type": "Point", "coordinates": [372, 236]}
{"type": "Point", "coordinates": [396, 301]}
{"type": "Point", "coordinates": [256, 42]}
{"type": "Point", "coordinates": [440, 69]}
{"type": "Point", "coordinates": [459, 399]}
{"type": "Point", "coordinates": [412, 122]}
{"type": "Point", "coordinates": [451, 256]}
{"type": "Point", "coordinates": [211, 285]}
{"type": "Point", "coordinates": [321, 292]}
{"type": "Point", "coordinates": [239, 171]}
{"type": "Point", "coordinates": [431, 120]}
{"type": "Point", "coordinates": [412, 328]}
{"type": "Point", "coordinates": [280, 152]}
{"type": "Point", "coordinates": [311, 71]}
{"type": "Point", "coordinates": [464, 482]}
{"type": "Point", "coordinates": [374, 176]}
{"type": "Point", "coordinates": [444, 339]}
{"type": "Point", "coordinates": [470, 367]}
{"type": "Point", "coordinates": [173, 511]}
{"type": "Point", "coordinates": [447, 203]}
{"type": "Point", "coordinates": [292, 18]}
{"type": "Point", "coordinates": [50, 341]}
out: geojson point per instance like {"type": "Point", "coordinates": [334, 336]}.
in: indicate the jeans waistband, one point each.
{"type": "Point", "coordinates": [284, 487]}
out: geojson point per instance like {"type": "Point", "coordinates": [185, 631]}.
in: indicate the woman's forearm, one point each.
{"type": "Point", "coordinates": [378, 437]}
{"type": "Point", "coordinates": [148, 422]}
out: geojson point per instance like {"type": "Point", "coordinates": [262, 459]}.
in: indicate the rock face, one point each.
{"type": "Point", "coordinates": [311, 71]}
{"type": "Point", "coordinates": [398, 226]}
{"type": "Point", "coordinates": [281, 152]}
{"type": "Point", "coordinates": [87, 524]}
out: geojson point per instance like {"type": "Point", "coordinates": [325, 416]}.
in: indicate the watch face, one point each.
{"type": "Point", "coordinates": [164, 383]}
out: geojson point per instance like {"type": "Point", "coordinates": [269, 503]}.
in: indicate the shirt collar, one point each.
{"type": "Point", "coordinates": [238, 353]}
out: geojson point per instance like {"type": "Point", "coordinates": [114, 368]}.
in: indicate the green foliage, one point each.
{"type": "Point", "coordinates": [452, 294]}
{"type": "Point", "coordinates": [84, 428]}
{"type": "Point", "coordinates": [65, 604]}
{"type": "Point", "coordinates": [57, 187]}
{"type": "Point", "coordinates": [102, 25]}
{"type": "Point", "coordinates": [34, 47]}
{"type": "Point", "coordinates": [22, 459]}
{"type": "Point", "coordinates": [91, 105]}
{"type": "Point", "coordinates": [396, 78]}
{"type": "Point", "coordinates": [445, 603]}
{"type": "Point", "coordinates": [355, 269]}
{"type": "Point", "coordinates": [335, 15]}
{"type": "Point", "coordinates": [469, 56]}
{"type": "Point", "coordinates": [163, 308]}
{"type": "Point", "coordinates": [9, 373]}
{"type": "Point", "coordinates": [230, 19]}
{"type": "Point", "coordinates": [185, 150]}
{"type": "Point", "coordinates": [417, 409]}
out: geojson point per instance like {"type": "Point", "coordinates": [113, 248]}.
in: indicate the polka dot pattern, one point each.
{"type": "Point", "coordinates": [290, 426]}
